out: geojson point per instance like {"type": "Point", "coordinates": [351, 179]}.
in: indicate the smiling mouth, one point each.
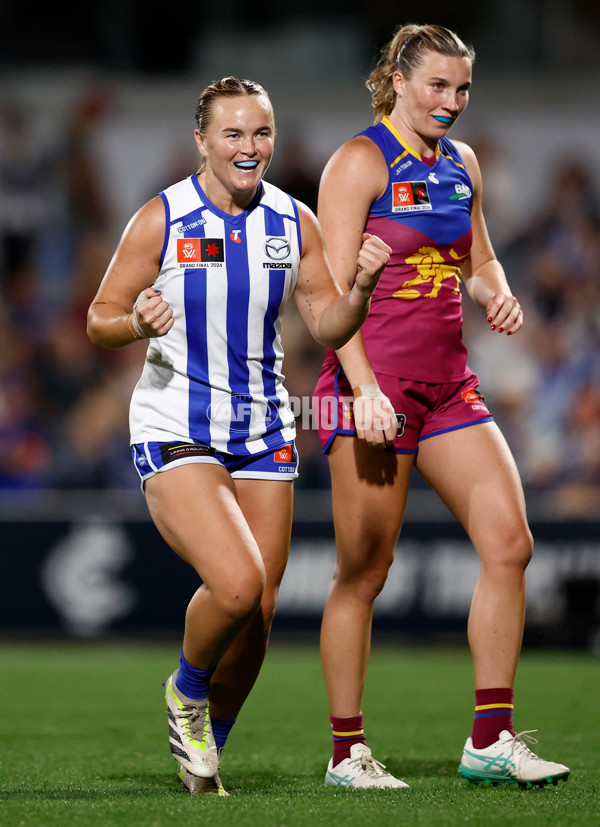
{"type": "Point", "coordinates": [246, 164]}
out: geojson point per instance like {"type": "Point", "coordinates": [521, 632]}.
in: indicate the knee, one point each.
{"type": "Point", "coordinates": [521, 547]}
{"type": "Point", "coordinates": [366, 581]}
{"type": "Point", "coordinates": [267, 608]}
{"type": "Point", "coordinates": [241, 596]}
{"type": "Point", "coordinates": [514, 549]}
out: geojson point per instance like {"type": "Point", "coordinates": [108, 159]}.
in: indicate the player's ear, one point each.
{"type": "Point", "coordinates": [398, 82]}
{"type": "Point", "coordinates": [199, 137]}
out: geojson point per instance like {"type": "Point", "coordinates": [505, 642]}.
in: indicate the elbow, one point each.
{"type": "Point", "coordinates": [92, 331]}
{"type": "Point", "coordinates": [341, 334]}
{"type": "Point", "coordinates": [335, 329]}
{"type": "Point", "coordinates": [335, 342]}
{"type": "Point", "coordinates": [340, 341]}
{"type": "Point", "coordinates": [95, 332]}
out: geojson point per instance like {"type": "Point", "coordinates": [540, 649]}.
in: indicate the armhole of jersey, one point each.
{"type": "Point", "coordinates": [457, 157]}
{"type": "Point", "coordinates": [388, 187]}
{"type": "Point", "coordinates": [298, 230]}
{"type": "Point", "coordinates": [387, 166]}
{"type": "Point", "coordinates": [167, 228]}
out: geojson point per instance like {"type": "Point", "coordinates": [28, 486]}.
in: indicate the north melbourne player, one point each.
{"type": "Point", "coordinates": [203, 272]}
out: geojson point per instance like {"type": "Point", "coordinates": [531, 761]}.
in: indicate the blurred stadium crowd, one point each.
{"type": "Point", "coordinates": [64, 402]}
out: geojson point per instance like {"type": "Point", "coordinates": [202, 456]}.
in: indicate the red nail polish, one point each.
{"type": "Point", "coordinates": [500, 329]}
{"type": "Point", "coordinates": [493, 327]}
{"type": "Point", "coordinates": [509, 332]}
{"type": "Point", "coordinates": [489, 318]}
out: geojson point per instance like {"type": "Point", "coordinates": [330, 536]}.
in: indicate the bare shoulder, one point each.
{"type": "Point", "coordinates": [355, 176]}
{"type": "Point", "coordinates": [358, 150]}
{"type": "Point", "coordinates": [355, 157]}
{"type": "Point", "coordinates": [310, 229]}
{"type": "Point", "coordinates": [150, 218]}
{"type": "Point", "coordinates": [145, 233]}
{"type": "Point", "coordinates": [305, 213]}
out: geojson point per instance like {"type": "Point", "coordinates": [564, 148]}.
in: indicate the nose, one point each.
{"type": "Point", "coordinates": [248, 146]}
{"type": "Point", "coordinates": [452, 103]}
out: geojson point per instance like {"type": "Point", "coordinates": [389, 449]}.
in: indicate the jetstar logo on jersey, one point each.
{"type": "Point", "coordinates": [410, 196]}
{"type": "Point", "coordinates": [284, 454]}
{"type": "Point", "coordinates": [200, 252]}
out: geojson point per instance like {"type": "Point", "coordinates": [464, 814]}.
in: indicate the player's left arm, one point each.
{"type": "Point", "coordinates": [482, 273]}
{"type": "Point", "coordinates": [332, 315]}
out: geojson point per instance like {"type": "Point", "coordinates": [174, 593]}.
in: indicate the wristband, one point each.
{"type": "Point", "coordinates": [134, 327]}
{"type": "Point", "coordinates": [366, 391]}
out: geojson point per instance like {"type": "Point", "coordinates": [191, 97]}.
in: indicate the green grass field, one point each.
{"type": "Point", "coordinates": [83, 741]}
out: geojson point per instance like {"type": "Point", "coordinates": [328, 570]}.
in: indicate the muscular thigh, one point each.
{"type": "Point", "coordinates": [369, 488]}
{"type": "Point", "coordinates": [196, 509]}
{"type": "Point", "coordinates": [474, 473]}
{"type": "Point", "coordinates": [267, 506]}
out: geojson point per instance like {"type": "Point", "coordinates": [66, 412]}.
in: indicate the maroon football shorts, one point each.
{"type": "Point", "coordinates": [422, 409]}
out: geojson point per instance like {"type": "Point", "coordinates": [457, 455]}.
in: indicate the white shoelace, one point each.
{"type": "Point", "coordinates": [196, 721]}
{"type": "Point", "coordinates": [518, 741]}
{"type": "Point", "coordinates": [370, 766]}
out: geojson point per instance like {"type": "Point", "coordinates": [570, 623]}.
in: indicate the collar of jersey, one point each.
{"type": "Point", "coordinates": [389, 125]}
{"type": "Point", "coordinates": [231, 219]}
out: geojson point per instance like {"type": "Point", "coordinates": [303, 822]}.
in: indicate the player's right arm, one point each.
{"type": "Point", "coordinates": [133, 269]}
{"type": "Point", "coordinates": [354, 177]}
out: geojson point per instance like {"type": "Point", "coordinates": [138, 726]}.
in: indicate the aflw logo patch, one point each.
{"type": "Point", "coordinates": [284, 454]}
{"type": "Point", "coordinates": [200, 252]}
{"type": "Point", "coordinates": [410, 196]}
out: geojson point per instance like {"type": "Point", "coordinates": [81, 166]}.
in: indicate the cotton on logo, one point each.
{"type": "Point", "coordinates": [188, 249]}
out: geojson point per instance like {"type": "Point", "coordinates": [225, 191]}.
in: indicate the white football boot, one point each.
{"type": "Point", "coordinates": [361, 770]}
{"type": "Point", "coordinates": [510, 761]}
{"type": "Point", "coordinates": [190, 734]}
{"type": "Point", "coordinates": [196, 784]}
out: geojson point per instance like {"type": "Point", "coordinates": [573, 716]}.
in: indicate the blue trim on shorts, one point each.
{"type": "Point", "coordinates": [336, 395]}
{"type": "Point", "coordinates": [421, 439]}
{"type": "Point", "coordinates": [148, 460]}
{"type": "Point", "coordinates": [337, 432]}
{"type": "Point", "coordinates": [457, 427]}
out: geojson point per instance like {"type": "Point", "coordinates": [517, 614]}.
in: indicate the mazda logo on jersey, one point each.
{"type": "Point", "coordinates": [277, 248]}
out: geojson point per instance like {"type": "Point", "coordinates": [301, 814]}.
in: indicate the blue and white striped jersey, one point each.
{"type": "Point", "coordinates": [216, 378]}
